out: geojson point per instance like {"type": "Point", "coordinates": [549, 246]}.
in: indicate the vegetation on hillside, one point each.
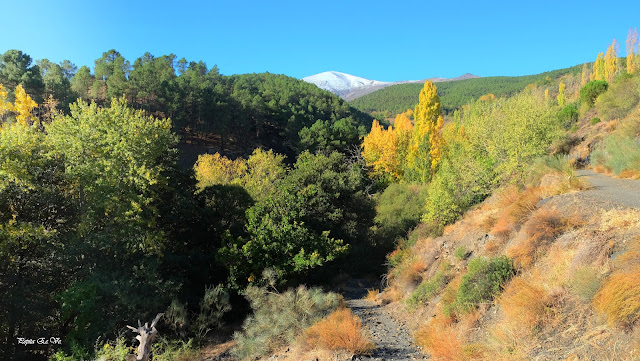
{"type": "Point", "coordinates": [454, 94]}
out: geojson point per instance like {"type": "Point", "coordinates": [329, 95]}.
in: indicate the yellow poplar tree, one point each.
{"type": "Point", "coordinates": [403, 133]}
{"type": "Point", "coordinates": [5, 106]}
{"type": "Point", "coordinates": [561, 98]}
{"type": "Point", "coordinates": [585, 75]}
{"type": "Point", "coordinates": [211, 169]}
{"type": "Point", "coordinates": [379, 150]}
{"type": "Point", "coordinates": [598, 68]}
{"type": "Point", "coordinates": [23, 106]}
{"type": "Point", "coordinates": [422, 160]}
{"type": "Point", "coordinates": [611, 68]}
{"type": "Point", "coordinates": [632, 57]}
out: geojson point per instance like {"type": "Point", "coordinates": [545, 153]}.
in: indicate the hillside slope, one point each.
{"type": "Point", "coordinates": [453, 94]}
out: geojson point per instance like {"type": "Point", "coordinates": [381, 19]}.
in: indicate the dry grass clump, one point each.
{"type": "Point", "coordinates": [619, 297]}
{"type": "Point", "coordinates": [340, 331]}
{"type": "Point", "coordinates": [523, 303]}
{"type": "Point", "coordinates": [585, 282]}
{"type": "Point", "coordinates": [440, 339]}
{"type": "Point", "coordinates": [502, 228]}
{"type": "Point", "coordinates": [542, 228]}
{"type": "Point", "coordinates": [372, 295]}
{"type": "Point", "coordinates": [619, 219]}
{"type": "Point", "coordinates": [446, 340]}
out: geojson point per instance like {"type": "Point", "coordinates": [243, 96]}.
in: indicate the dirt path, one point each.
{"type": "Point", "coordinates": [392, 338]}
{"type": "Point", "coordinates": [610, 191]}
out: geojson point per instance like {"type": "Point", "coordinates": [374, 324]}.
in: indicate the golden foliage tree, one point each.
{"type": "Point", "coordinates": [424, 149]}
{"type": "Point", "coordinates": [561, 98]}
{"type": "Point", "coordinates": [598, 68]}
{"type": "Point", "coordinates": [23, 106]}
{"type": "Point", "coordinates": [585, 75]}
{"type": "Point", "coordinates": [379, 150]}
{"type": "Point", "coordinates": [632, 51]}
{"type": "Point", "coordinates": [611, 68]}
{"type": "Point", "coordinates": [403, 132]}
{"type": "Point", "coordinates": [5, 106]}
{"type": "Point", "coordinates": [214, 169]}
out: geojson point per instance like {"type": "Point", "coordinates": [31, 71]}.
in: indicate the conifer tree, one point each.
{"type": "Point", "coordinates": [611, 68]}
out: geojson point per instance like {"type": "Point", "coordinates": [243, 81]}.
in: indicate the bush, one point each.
{"type": "Point", "coordinates": [594, 120]}
{"type": "Point", "coordinates": [114, 351]}
{"type": "Point", "coordinates": [428, 289]}
{"type": "Point", "coordinates": [590, 92]}
{"type": "Point", "coordinates": [165, 350]}
{"type": "Point", "coordinates": [619, 298]}
{"type": "Point", "coordinates": [461, 253]}
{"type": "Point", "coordinates": [542, 228]}
{"type": "Point", "coordinates": [619, 100]}
{"type": "Point", "coordinates": [279, 318]}
{"type": "Point", "coordinates": [340, 331]}
{"type": "Point", "coordinates": [483, 281]}
{"type": "Point", "coordinates": [399, 209]}
{"type": "Point", "coordinates": [618, 153]}
{"type": "Point", "coordinates": [568, 115]}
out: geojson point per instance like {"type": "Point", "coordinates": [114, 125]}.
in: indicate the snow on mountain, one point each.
{"type": "Point", "coordinates": [342, 84]}
{"type": "Point", "coordinates": [350, 87]}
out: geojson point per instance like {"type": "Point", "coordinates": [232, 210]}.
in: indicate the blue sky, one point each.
{"type": "Point", "coordinates": [382, 40]}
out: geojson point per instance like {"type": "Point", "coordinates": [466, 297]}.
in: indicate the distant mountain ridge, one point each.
{"type": "Point", "coordinates": [350, 87]}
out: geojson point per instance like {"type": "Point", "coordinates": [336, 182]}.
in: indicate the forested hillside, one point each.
{"type": "Point", "coordinates": [453, 94]}
{"type": "Point", "coordinates": [293, 199]}
{"type": "Point", "coordinates": [231, 114]}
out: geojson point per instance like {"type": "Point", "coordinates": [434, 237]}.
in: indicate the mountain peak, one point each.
{"type": "Point", "coordinates": [341, 84]}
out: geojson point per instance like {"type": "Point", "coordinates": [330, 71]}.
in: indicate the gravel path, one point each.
{"type": "Point", "coordinates": [392, 338]}
{"type": "Point", "coordinates": [611, 191]}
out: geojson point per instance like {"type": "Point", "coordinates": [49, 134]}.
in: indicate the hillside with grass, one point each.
{"type": "Point", "coordinates": [507, 230]}
{"type": "Point", "coordinates": [454, 94]}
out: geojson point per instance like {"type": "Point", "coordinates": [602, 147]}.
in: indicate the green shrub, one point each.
{"type": "Point", "coordinates": [483, 281]}
{"type": "Point", "coordinates": [399, 209]}
{"type": "Point", "coordinates": [574, 128]}
{"type": "Point", "coordinates": [279, 318]}
{"type": "Point", "coordinates": [559, 164]}
{"type": "Point", "coordinates": [590, 92]}
{"type": "Point", "coordinates": [594, 120]}
{"type": "Point", "coordinates": [568, 115]}
{"type": "Point", "coordinates": [618, 153]}
{"type": "Point", "coordinates": [114, 351]}
{"type": "Point", "coordinates": [619, 100]}
{"type": "Point", "coordinates": [461, 253]}
{"type": "Point", "coordinates": [428, 289]}
{"type": "Point", "coordinates": [174, 350]}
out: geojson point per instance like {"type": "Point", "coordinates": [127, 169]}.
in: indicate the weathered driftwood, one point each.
{"type": "Point", "coordinates": [146, 336]}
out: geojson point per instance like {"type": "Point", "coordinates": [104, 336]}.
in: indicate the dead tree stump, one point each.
{"type": "Point", "coordinates": [146, 335]}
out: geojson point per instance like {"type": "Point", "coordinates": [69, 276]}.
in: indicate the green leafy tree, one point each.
{"type": "Point", "coordinates": [116, 157]}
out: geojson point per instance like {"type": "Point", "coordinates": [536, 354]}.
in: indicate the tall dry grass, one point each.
{"type": "Point", "coordinates": [340, 331]}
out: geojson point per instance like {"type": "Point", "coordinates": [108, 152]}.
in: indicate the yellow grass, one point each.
{"type": "Point", "coordinates": [340, 331]}
{"type": "Point", "coordinates": [372, 295]}
{"type": "Point", "coordinates": [523, 303]}
{"type": "Point", "coordinates": [619, 297]}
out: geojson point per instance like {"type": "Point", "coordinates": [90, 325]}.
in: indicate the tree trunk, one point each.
{"type": "Point", "coordinates": [146, 335]}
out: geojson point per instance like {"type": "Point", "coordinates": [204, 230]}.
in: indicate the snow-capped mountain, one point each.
{"type": "Point", "coordinates": [342, 84]}
{"type": "Point", "coordinates": [350, 87]}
